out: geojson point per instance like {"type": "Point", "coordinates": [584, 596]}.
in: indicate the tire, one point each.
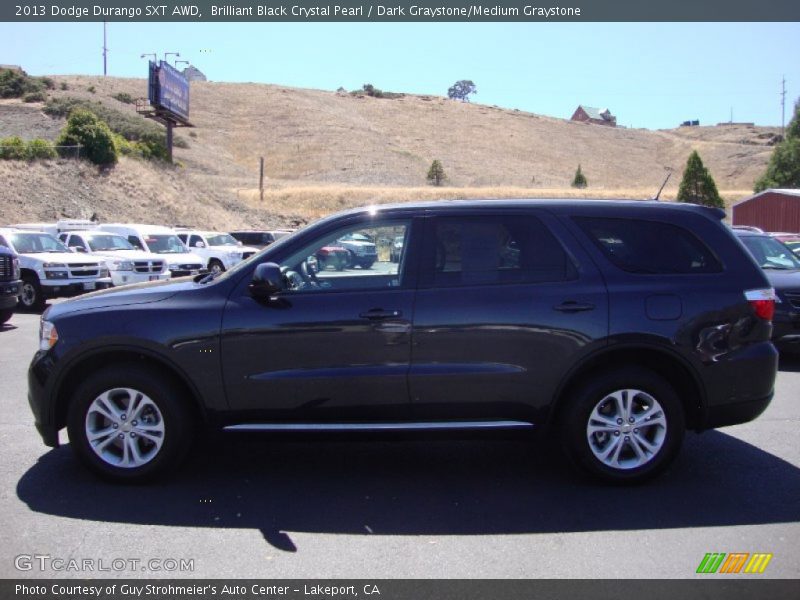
{"type": "Point", "coordinates": [367, 264]}
{"type": "Point", "coordinates": [599, 436]}
{"type": "Point", "coordinates": [31, 298]}
{"type": "Point", "coordinates": [5, 315]}
{"type": "Point", "coordinates": [216, 266]}
{"type": "Point", "coordinates": [163, 441]}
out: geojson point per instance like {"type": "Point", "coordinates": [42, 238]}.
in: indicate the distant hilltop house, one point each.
{"type": "Point", "coordinates": [694, 123]}
{"type": "Point", "coordinates": [598, 116]}
{"type": "Point", "coordinates": [194, 74]}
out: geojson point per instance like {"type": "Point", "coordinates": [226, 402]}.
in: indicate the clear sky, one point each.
{"type": "Point", "coordinates": [651, 75]}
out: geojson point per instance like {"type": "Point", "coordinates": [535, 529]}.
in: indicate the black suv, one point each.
{"type": "Point", "coordinates": [615, 324]}
{"type": "Point", "coordinates": [10, 284]}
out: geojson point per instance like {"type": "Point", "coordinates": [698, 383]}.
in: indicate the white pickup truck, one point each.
{"type": "Point", "coordinates": [126, 263]}
{"type": "Point", "coordinates": [221, 251]}
{"type": "Point", "coordinates": [50, 270]}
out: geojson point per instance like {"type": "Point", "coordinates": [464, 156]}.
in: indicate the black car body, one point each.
{"type": "Point", "coordinates": [782, 268]}
{"type": "Point", "coordinates": [10, 284]}
{"type": "Point", "coordinates": [583, 329]}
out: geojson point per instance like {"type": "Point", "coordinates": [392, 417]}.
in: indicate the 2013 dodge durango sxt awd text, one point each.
{"type": "Point", "coordinates": [617, 325]}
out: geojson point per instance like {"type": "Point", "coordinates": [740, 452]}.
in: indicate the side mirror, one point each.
{"type": "Point", "coordinates": [199, 245]}
{"type": "Point", "coordinates": [267, 281]}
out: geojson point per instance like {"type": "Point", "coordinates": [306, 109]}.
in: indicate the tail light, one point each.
{"type": "Point", "coordinates": [763, 302]}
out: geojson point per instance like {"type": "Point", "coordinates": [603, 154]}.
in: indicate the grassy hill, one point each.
{"type": "Point", "coordinates": [326, 151]}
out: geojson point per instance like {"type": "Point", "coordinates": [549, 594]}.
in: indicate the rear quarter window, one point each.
{"type": "Point", "coordinates": [649, 247]}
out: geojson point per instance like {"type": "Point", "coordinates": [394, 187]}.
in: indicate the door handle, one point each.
{"type": "Point", "coordinates": [571, 306]}
{"type": "Point", "coordinates": [377, 314]}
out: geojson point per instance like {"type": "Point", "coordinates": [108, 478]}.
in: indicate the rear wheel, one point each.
{"type": "Point", "coordinates": [624, 426]}
{"type": "Point", "coordinates": [31, 297]}
{"type": "Point", "coordinates": [127, 423]}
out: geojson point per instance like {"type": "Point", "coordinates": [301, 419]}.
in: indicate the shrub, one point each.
{"type": "Point", "coordinates": [40, 149]}
{"type": "Point", "coordinates": [193, 134]}
{"type": "Point", "coordinates": [91, 89]}
{"type": "Point", "coordinates": [579, 181]}
{"type": "Point", "coordinates": [35, 97]}
{"type": "Point", "coordinates": [436, 174]}
{"type": "Point", "coordinates": [97, 140]}
{"type": "Point", "coordinates": [178, 142]}
{"type": "Point", "coordinates": [14, 84]}
{"type": "Point", "coordinates": [12, 148]}
{"type": "Point", "coordinates": [64, 85]}
{"type": "Point", "coordinates": [47, 82]}
{"type": "Point", "coordinates": [124, 97]}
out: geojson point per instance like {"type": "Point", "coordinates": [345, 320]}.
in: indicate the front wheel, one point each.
{"type": "Point", "coordinates": [31, 298]}
{"type": "Point", "coordinates": [129, 424]}
{"type": "Point", "coordinates": [624, 426]}
{"type": "Point", "coordinates": [216, 267]}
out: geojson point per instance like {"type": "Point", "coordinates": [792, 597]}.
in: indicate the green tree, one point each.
{"type": "Point", "coordinates": [461, 90]}
{"type": "Point", "coordinates": [579, 181]}
{"type": "Point", "coordinates": [697, 185]}
{"type": "Point", "coordinates": [93, 135]}
{"type": "Point", "coordinates": [436, 173]}
{"type": "Point", "coordinates": [783, 170]}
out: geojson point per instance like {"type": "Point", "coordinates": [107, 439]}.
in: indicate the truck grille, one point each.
{"type": "Point", "coordinates": [148, 266]}
{"type": "Point", "coordinates": [6, 268]}
{"type": "Point", "coordinates": [793, 298]}
{"type": "Point", "coordinates": [84, 270]}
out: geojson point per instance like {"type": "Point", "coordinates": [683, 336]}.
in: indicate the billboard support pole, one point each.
{"type": "Point", "coordinates": [261, 181]}
{"type": "Point", "coordinates": [170, 124]}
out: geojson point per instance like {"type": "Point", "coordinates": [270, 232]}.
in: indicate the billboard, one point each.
{"type": "Point", "coordinates": [169, 90]}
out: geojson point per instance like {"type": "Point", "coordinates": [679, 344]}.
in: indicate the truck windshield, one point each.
{"type": "Point", "coordinates": [222, 239]}
{"type": "Point", "coordinates": [165, 244]}
{"type": "Point", "coordinates": [99, 243]}
{"type": "Point", "coordinates": [33, 243]}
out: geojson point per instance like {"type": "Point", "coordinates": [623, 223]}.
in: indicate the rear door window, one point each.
{"type": "Point", "coordinates": [486, 250]}
{"type": "Point", "coordinates": [649, 247]}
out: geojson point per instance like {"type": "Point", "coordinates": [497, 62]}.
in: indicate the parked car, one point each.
{"type": "Point", "coordinates": [782, 268]}
{"type": "Point", "coordinates": [221, 251]}
{"type": "Point", "coordinates": [336, 257]}
{"type": "Point", "coordinates": [162, 241]}
{"type": "Point", "coordinates": [125, 263]}
{"type": "Point", "coordinates": [618, 326]}
{"type": "Point", "coordinates": [50, 270]}
{"type": "Point", "coordinates": [397, 249]}
{"type": "Point", "coordinates": [792, 240]}
{"type": "Point", "coordinates": [10, 284]}
{"type": "Point", "coordinates": [363, 251]}
{"type": "Point", "coordinates": [261, 239]}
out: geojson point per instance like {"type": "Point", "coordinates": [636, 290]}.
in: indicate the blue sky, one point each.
{"type": "Point", "coordinates": [651, 75]}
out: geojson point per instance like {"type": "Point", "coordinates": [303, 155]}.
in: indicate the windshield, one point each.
{"type": "Point", "coordinates": [770, 253]}
{"type": "Point", "coordinates": [222, 239]}
{"type": "Point", "coordinates": [100, 242]}
{"type": "Point", "coordinates": [33, 243]}
{"type": "Point", "coordinates": [166, 243]}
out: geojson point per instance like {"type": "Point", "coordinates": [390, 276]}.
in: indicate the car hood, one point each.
{"type": "Point", "coordinates": [67, 258]}
{"type": "Point", "coordinates": [127, 255]}
{"type": "Point", "coordinates": [138, 293]}
{"type": "Point", "coordinates": [783, 280]}
{"type": "Point", "coordinates": [184, 258]}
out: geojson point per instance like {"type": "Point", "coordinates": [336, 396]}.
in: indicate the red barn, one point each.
{"type": "Point", "coordinates": [770, 210]}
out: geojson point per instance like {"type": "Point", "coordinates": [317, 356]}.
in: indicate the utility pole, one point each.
{"type": "Point", "coordinates": [261, 181]}
{"type": "Point", "coordinates": [783, 106]}
{"type": "Point", "coordinates": [105, 51]}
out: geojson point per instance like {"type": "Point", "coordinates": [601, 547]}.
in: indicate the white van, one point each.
{"type": "Point", "coordinates": [160, 240]}
{"type": "Point", "coordinates": [50, 270]}
{"type": "Point", "coordinates": [220, 250]}
{"type": "Point", "coordinates": [125, 263]}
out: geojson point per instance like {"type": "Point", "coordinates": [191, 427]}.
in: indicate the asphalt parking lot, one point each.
{"type": "Point", "coordinates": [424, 508]}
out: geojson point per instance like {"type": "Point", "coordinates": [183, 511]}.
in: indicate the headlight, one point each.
{"type": "Point", "coordinates": [103, 272]}
{"type": "Point", "coordinates": [54, 266]}
{"type": "Point", "coordinates": [48, 336]}
{"type": "Point", "coordinates": [120, 265]}
{"type": "Point", "coordinates": [174, 266]}
{"type": "Point", "coordinates": [15, 272]}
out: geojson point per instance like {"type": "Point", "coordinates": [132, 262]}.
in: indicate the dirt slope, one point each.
{"type": "Point", "coordinates": [324, 151]}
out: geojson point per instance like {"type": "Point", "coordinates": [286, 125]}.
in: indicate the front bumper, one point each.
{"type": "Point", "coordinates": [53, 289]}
{"type": "Point", "coordinates": [126, 277]}
{"type": "Point", "coordinates": [9, 292]}
{"type": "Point", "coordinates": [40, 381]}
